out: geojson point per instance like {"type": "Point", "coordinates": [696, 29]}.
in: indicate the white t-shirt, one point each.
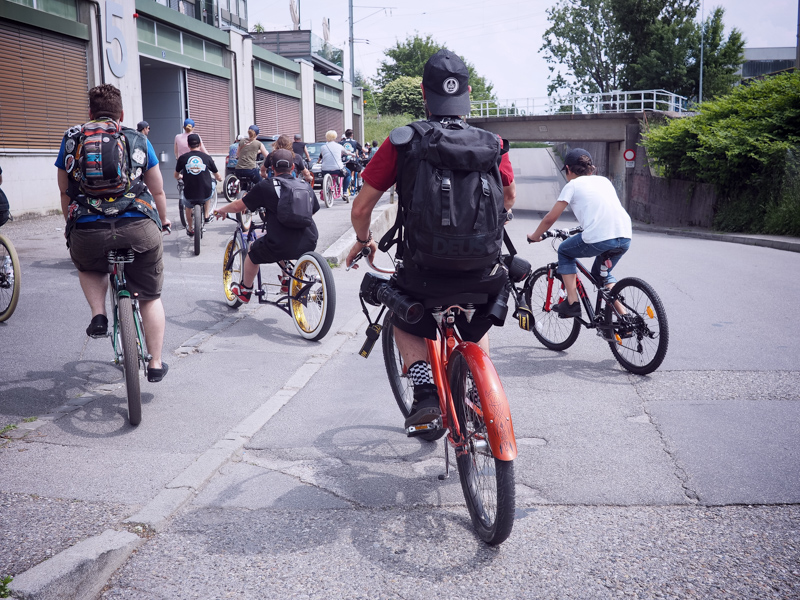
{"type": "Point", "coordinates": [595, 204]}
{"type": "Point", "coordinates": [332, 156]}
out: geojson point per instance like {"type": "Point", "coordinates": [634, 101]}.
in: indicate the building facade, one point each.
{"type": "Point", "coordinates": [171, 60]}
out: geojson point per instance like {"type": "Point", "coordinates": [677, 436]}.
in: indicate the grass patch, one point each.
{"type": "Point", "coordinates": [4, 591]}
{"type": "Point", "coordinates": [529, 145]}
{"type": "Point", "coordinates": [379, 127]}
{"type": "Point", "coordinates": [7, 428]}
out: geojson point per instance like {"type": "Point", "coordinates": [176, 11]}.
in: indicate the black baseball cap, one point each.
{"type": "Point", "coordinates": [281, 160]}
{"type": "Point", "coordinates": [446, 82]}
{"type": "Point", "coordinates": [193, 140]}
{"type": "Point", "coordinates": [573, 157]}
{"type": "Point", "coordinates": [142, 125]}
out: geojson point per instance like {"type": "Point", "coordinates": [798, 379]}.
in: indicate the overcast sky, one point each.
{"type": "Point", "coordinates": [500, 37]}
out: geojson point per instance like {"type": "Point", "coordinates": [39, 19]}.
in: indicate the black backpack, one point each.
{"type": "Point", "coordinates": [296, 202]}
{"type": "Point", "coordinates": [451, 196]}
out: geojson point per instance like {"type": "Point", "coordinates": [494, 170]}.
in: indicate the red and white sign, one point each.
{"type": "Point", "coordinates": [629, 155]}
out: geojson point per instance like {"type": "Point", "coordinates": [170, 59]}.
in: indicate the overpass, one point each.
{"type": "Point", "coordinates": [606, 124]}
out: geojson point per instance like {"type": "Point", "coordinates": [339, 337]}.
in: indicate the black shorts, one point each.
{"type": "Point", "coordinates": [427, 286]}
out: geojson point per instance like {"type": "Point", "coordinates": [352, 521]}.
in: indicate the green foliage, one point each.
{"type": "Point", "coordinates": [378, 128]}
{"type": "Point", "coordinates": [408, 58]}
{"type": "Point", "coordinates": [604, 45]}
{"type": "Point", "coordinates": [746, 144]}
{"type": "Point", "coordinates": [403, 95]}
{"type": "Point", "coordinates": [529, 145]}
{"type": "Point", "coordinates": [4, 591]}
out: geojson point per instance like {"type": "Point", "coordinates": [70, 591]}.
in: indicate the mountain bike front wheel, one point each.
{"type": "Point", "coordinates": [642, 333]}
{"type": "Point", "coordinates": [487, 482]}
{"type": "Point", "coordinates": [542, 294]}
{"type": "Point", "coordinates": [312, 296]}
{"type": "Point", "coordinates": [130, 358]}
{"type": "Point", "coordinates": [10, 278]}
{"type": "Point", "coordinates": [197, 217]}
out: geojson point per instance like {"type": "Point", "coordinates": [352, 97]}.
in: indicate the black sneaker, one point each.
{"type": "Point", "coordinates": [156, 375]}
{"type": "Point", "coordinates": [98, 327]}
{"type": "Point", "coordinates": [189, 232]}
{"type": "Point", "coordinates": [565, 310]}
{"type": "Point", "coordinates": [425, 407]}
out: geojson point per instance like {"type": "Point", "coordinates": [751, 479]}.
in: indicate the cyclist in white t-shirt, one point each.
{"type": "Point", "coordinates": [606, 227]}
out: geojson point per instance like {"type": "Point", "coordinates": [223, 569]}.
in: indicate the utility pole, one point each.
{"type": "Point", "coordinates": [797, 62]}
{"type": "Point", "coordinates": [702, 44]}
{"type": "Point", "coordinates": [352, 64]}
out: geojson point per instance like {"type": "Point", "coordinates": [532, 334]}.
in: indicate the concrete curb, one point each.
{"type": "Point", "coordinates": [78, 572]}
{"type": "Point", "coordinates": [788, 244]}
{"type": "Point", "coordinates": [383, 218]}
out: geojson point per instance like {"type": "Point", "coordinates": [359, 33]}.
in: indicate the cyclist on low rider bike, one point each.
{"type": "Point", "coordinates": [445, 90]}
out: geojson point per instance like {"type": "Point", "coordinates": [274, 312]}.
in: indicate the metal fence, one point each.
{"type": "Point", "coordinates": [577, 104]}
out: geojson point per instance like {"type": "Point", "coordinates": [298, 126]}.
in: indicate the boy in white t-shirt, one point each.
{"type": "Point", "coordinates": [606, 227]}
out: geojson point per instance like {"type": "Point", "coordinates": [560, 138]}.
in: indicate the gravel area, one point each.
{"type": "Point", "coordinates": [554, 552]}
{"type": "Point", "coordinates": [33, 528]}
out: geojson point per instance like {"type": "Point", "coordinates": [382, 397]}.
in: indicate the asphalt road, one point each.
{"type": "Point", "coordinates": [681, 484]}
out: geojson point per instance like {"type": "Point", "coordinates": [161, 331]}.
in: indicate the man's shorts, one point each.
{"type": "Point", "coordinates": [187, 203]}
{"type": "Point", "coordinates": [260, 253]}
{"type": "Point", "coordinates": [89, 244]}
{"type": "Point", "coordinates": [424, 285]}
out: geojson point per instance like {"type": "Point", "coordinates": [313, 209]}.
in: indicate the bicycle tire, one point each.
{"type": "Point", "coordinates": [327, 190]}
{"type": "Point", "coordinates": [487, 483]}
{"type": "Point", "coordinates": [9, 282]}
{"type": "Point", "coordinates": [212, 206]}
{"type": "Point", "coordinates": [231, 187]}
{"type": "Point", "coordinates": [181, 210]}
{"type": "Point", "coordinates": [233, 268]}
{"type": "Point", "coordinates": [244, 219]}
{"type": "Point", "coordinates": [551, 330]}
{"type": "Point", "coordinates": [643, 338]}
{"type": "Point", "coordinates": [197, 217]}
{"type": "Point", "coordinates": [399, 381]}
{"type": "Point", "coordinates": [130, 359]}
{"type": "Point", "coordinates": [313, 312]}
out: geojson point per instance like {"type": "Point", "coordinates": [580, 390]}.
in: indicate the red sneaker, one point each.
{"type": "Point", "coordinates": [242, 292]}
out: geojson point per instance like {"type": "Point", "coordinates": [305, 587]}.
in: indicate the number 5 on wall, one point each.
{"type": "Point", "coordinates": [115, 33]}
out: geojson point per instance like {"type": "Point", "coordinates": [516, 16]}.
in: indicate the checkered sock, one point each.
{"type": "Point", "coordinates": [420, 373]}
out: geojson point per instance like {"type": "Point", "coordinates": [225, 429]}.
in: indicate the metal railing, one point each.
{"type": "Point", "coordinates": [582, 104]}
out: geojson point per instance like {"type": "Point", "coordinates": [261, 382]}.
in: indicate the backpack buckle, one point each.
{"type": "Point", "coordinates": [485, 185]}
{"type": "Point", "coordinates": [445, 184]}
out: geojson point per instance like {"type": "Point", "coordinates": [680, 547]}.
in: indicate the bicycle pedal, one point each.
{"type": "Point", "coordinates": [423, 427]}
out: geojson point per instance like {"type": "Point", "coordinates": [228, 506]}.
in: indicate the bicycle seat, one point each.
{"type": "Point", "coordinates": [456, 299]}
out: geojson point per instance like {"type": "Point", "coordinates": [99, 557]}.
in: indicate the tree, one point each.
{"type": "Point", "coordinates": [408, 58]}
{"type": "Point", "coordinates": [403, 95]}
{"type": "Point", "coordinates": [721, 59]}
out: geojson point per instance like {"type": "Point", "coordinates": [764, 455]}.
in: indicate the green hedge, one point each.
{"type": "Point", "coordinates": [748, 145]}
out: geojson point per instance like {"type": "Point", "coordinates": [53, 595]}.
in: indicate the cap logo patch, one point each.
{"type": "Point", "coordinates": [450, 85]}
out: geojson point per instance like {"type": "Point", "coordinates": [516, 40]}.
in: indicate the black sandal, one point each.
{"type": "Point", "coordinates": [156, 375]}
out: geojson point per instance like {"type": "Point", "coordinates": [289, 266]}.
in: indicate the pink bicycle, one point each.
{"type": "Point", "coordinates": [331, 188]}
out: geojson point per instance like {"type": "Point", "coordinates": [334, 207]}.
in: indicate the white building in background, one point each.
{"type": "Point", "coordinates": [171, 60]}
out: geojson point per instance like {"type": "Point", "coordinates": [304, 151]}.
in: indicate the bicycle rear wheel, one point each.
{"type": "Point", "coordinates": [328, 190]}
{"type": "Point", "coordinates": [551, 330]}
{"type": "Point", "coordinates": [233, 268]}
{"type": "Point", "coordinates": [197, 213]}
{"type": "Point", "coordinates": [642, 335]}
{"type": "Point", "coordinates": [130, 358]}
{"type": "Point", "coordinates": [312, 298]}
{"type": "Point", "coordinates": [10, 278]}
{"type": "Point", "coordinates": [399, 381]}
{"type": "Point", "coordinates": [181, 210]}
{"type": "Point", "coordinates": [231, 187]}
{"type": "Point", "coordinates": [487, 483]}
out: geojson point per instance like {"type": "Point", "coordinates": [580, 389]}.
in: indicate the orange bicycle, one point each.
{"type": "Point", "coordinates": [475, 415]}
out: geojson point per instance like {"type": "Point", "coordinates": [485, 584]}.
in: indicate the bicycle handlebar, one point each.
{"type": "Point", "coordinates": [366, 252]}
{"type": "Point", "coordinates": [561, 234]}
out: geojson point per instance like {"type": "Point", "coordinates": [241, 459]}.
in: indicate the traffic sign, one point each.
{"type": "Point", "coordinates": [629, 155]}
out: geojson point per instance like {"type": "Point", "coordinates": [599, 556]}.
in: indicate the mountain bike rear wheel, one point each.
{"type": "Point", "coordinates": [487, 483]}
{"type": "Point", "coordinates": [10, 278]}
{"type": "Point", "coordinates": [312, 296]}
{"type": "Point", "coordinates": [130, 358]}
{"type": "Point", "coordinates": [197, 217]}
{"type": "Point", "coordinates": [642, 334]}
{"type": "Point", "coordinates": [551, 330]}
{"type": "Point", "coordinates": [231, 187]}
{"type": "Point", "coordinates": [233, 268]}
{"type": "Point", "coordinates": [399, 380]}
{"type": "Point", "coordinates": [181, 209]}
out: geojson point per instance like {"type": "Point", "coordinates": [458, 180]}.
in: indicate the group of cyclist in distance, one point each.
{"type": "Point", "coordinates": [445, 90]}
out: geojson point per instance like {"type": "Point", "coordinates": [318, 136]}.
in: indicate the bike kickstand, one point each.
{"type": "Point", "coordinates": [446, 474]}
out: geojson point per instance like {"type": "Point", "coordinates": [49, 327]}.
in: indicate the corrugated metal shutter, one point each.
{"type": "Point", "coordinates": [43, 87]}
{"type": "Point", "coordinates": [210, 108]}
{"type": "Point", "coordinates": [276, 113]}
{"type": "Point", "coordinates": [326, 119]}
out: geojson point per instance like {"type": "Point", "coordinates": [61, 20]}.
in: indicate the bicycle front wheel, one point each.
{"type": "Point", "coordinates": [197, 217]}
{"type": "Point", "coordinates": [10, 276]}
{"type": "Point", "coordinates": [642, 334]}
{"type": "Point", "coordinates": [328, 190]}
{"type": "Point", "coordinates": [542, 294]}
{"type": "Point", "coordinates": [487, 483]}
{"type": "Point", "coordinates": [181, 209]}
{"type": "Point", "coordinates": [231, 187]}
{"type": "Point", "coordinates": [312, 298]}
{"type": "Point", "coordinates": [130, 358]}
{"type": "Point", "coordinates": [233, 268]}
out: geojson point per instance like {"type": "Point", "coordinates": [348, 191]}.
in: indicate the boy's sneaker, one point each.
{"type": "Point", "coordinates": [425, 407]}
{"type": "Point", "coordinates": [190, 232]}
{"type": "Point", "coordinates": [565, 310]}
{"type": "Point", "coordinates": [242, 292]}
{"type": "Point", "coordinates": [346, 199]}
{"type": "Point", "coordinates": [98, 327]}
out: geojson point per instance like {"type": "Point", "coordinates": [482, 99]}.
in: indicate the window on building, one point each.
{"type": "Point", "coordinates": [146, 30]}
{"type": "Point", "coordinates": [168, 38]}
{"type": "Point", "coordinates": [327, 92]}
{"type": "Point", "coordinates": [61, 8]}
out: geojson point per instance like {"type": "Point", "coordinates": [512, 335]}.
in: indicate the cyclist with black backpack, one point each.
{"type": "Point", "coordinates": [112, 196]}
{"type": "Point", "coordinates": [456, 186]}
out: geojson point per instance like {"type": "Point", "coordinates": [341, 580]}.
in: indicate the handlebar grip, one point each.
{"type": "Point", "coordinates": [166, 229]}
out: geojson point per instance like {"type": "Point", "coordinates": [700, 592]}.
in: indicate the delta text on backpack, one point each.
{"type": "Point", "coordinates": [105, 163]}
{"type": "Point", "coordinates": [296, 202]}
{"type": "Point", "coordinates": [451, 196]}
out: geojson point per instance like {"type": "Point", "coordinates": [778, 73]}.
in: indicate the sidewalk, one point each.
{"type": "Point", "coordinates": [778, 242]}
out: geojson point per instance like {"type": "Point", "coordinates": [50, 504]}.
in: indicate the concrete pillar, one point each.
{"type": "Point", "coordinates": [616, 167]}
{"type": "Point", "coordinates": [307, 100]}
{"type": "Point", "coordinates": [347, 100]}
{"type": "Point", "coordinates": [245, 85]}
